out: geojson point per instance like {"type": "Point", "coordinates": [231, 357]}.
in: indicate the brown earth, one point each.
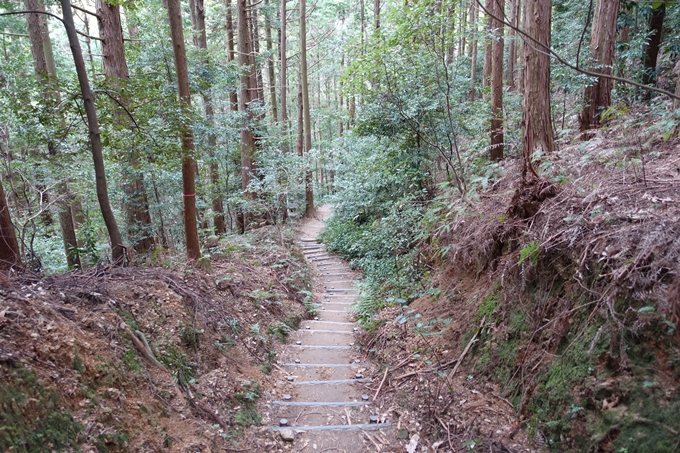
{"type": "Point", "coordinates": [74, 373]}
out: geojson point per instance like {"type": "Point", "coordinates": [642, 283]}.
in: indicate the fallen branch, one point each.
{"type": "Point", "coordinates": [467, 348]}
{"type": "Point", "coordinates": [381, 384]}
{"type": "Point", "coordinates": [141, 347]}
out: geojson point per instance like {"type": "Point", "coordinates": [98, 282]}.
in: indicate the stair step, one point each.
{"type": "Point", "coordinates": [334, 382]}
{"type": "Point", "coordinates": [319, 347]}
{"type": "Point", "coordinates": [325, 365]}
{"type": "Point", "coordinates": [321, 403]}
{"type": "Point", "coordinates": [361, 426]}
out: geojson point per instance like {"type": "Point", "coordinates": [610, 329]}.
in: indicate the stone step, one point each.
{"type": "Point", "coordinates": [360, 426]}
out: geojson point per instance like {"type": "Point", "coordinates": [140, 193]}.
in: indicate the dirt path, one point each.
{"type": "Point", "coordinates": [321, 399]}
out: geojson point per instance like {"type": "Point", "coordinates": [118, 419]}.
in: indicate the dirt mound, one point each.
{"type": "Point", "coordinates": [147, 359]}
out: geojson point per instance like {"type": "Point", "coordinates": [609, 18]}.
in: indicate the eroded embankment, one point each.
{"type": "Point", "coordinates": [561, 326]}
{"type": "Point", "coordinates": [148, 359]}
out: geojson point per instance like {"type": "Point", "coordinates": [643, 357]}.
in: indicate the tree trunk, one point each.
{"type": "Point", "coordinates": [231, 54]}
{"type": "Point", "coordinates": [201, 41]}
{"type": "Point", "coordinates": [496, 147]}
{"type": "Point", "coordinates": [43, 62]}
{"type": "Point", "coordinates": [309, 193]}
{"type": "Point", "coordinates": [117, 248]}
{"type": "Point", "coordinates": [650, 50]}
{"type": "Point", "coordinates": [188, 164]}
{"type": "Point", "coordinates": [537, 127]}
{"type": "Point", "coordinates": [248, 94]}
{"type": "Point", "coordinates": [254, 52]}
{"type": "Point", "coordinates": [300, 143]}
{"type": "Point", "coordinates": [474, 16]}
{"type": "Point", "coordinates": [376, 14]}
{"type": "Point", "coordinates": [488, 48]}
{"type": "Point", "coordinates": [512, 45]}
{"type": "Point", "coordinates": [138, 218]}
{"type": "Point", "coordinates": [283, 43]}
{"type": "Point", "coordinates": [597, 97]}
{"type": "Point", "coordinates": [270, 62]}
{"type": "Point", "coordinates": [676, 71]}
{"type": "Point", "coordinates": [9, 247]}
{"type": "Point", "coordinates": [462, 25]}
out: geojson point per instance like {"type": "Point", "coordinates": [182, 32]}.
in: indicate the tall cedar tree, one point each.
{"type": "Point", "coordinates": [247, 95]}
{"type": "Point", "coordinates": [474, 17]}
{"type": "Point", "coordinates": [117, 248]}
{"type": "Point", "coordinates": [537, 127]}
{"type": "Point", "coordinates": [488, 51]}
{"type": "Point", "coordinates": [496, 147]}
{"type": "Point", "coordinates": [116, 70]}
{"type": "Point", "coordinates": [201, 41]}
{"type": "Point", "coordinates": [650, 51]}
{"type": "Point", "coordinates": [598, 96]}
{"type": "Point", "coordinates": [270, 61]}
{"type": "Point", "coordinates": [9, 247]}
{"type": "Point", "coordinates": [46, 70]}
{"type": "Point", "coordinates": [512, 44]}
{"type": "Point", "coordinates": [188, 164]}
{"type": "Point", "coordinates": [307, 122]}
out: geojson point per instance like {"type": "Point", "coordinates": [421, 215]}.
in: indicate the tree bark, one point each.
{"type": "Point", "coordinates": [231, 54]}
{"type": "Point", "coordinates": [270, 61]}
{"type": "Point", "coordinates": [488, 48]}
{"type": "Point", "coordinates": [248, 94]}
{"type": "Point", "coordinates": [283, 44]}
{"type": "Point", "coordinates": [537, 127]}
{"type": "Point", "coordinates": [597, 97]}
{"type": "Point", "coordinates": [676, 71]}
{"type": "Point", "coordinates": [309, 193]}
{"type": "Point", "coordinates": [188, 164]}
{"type": "Point", "coordinates": [9, 247]}
{"type": "Point", "coordinates": [136, 204]}
{"type": "Point", "coordinates": [43, 62]}
{"type": "Point", "coordinates": [650, 50]}
{"type": "Point", "coordinates": [376, 14]}
{"type": "Point", "coordinates": [254, 52]}
{"type": "Point", "coordinates": [474, 17]}
{"type": "Point", "coordinates": [117, 248]}
{"type": "Point", "coordinates": [512, 45]}
{"type": "Point", "coordinates": [496, 147]}
{"type": "Point", "coordinates": [201, 41]}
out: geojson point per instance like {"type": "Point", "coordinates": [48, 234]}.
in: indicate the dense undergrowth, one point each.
{"type": "Point", "coordinates": [571, 313]}
{"type": "Point", "coordinates": [148, 359]}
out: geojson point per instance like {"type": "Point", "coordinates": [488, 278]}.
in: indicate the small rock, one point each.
{"type": "Point", "coordinates": [298, 342]}
{"type": "Point", "coordinates": [286, 397]}
{"type": "Point", "coordinates": [287, 435]}
{"type": "Point", "coordinates": [297, 360]}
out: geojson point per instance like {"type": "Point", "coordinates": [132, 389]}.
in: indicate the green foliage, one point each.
{"type": "Point", "coordinates": [179, 365]}
{"type": "Point", "coordinates": [32, 416]}
{"type": "Point", "coordinates": [530, 252]}
{"type": "Point", "coordinates": [130, 359]}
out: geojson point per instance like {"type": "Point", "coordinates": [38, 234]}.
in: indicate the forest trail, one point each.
{"type": "Point", "coordinates": [323, 389]}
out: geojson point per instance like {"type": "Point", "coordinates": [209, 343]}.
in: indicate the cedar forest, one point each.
{"type": "Point", "coordinates": [504, 173]}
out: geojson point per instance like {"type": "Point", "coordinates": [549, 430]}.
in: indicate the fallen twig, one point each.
{"type": "Point", "coordinates": [381, 384]}
{"type": "Point", "coordinates": [467, 348]}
